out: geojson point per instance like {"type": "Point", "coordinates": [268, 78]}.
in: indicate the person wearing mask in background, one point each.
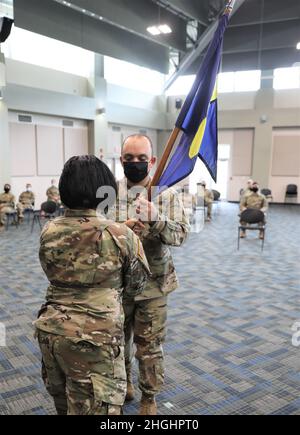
{"type": "Point", "coordinates": [26, 202]}
{"type": "Point", "coordinates": [208, 200]}
{"type": "Point", "coordinates": [254, 199]}
{"type": "Point", "coordinates": [146, 314]}
{"type": "Point", "coordinates": [7, 204]}
{"type": "Point", "coordinates": [91, 263]}
{"type": "Point", "coordinates": [53, 193]}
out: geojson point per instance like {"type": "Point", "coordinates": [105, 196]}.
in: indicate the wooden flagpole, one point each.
{"type": "Point", "coordinates": [165, 157]}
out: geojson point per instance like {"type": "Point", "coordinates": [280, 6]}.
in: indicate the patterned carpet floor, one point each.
{"type": "Point", "coordinates": [229, 347]}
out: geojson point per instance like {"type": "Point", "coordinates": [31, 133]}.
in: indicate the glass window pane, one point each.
{"type": "Point", "coordinates": [30, 47]}
{"type": "Point", "coordinates": [247, 81]}
{"type": "Point", "coordinates": [181, 86]}
{"type": "Point", "coordinates": [132, 76]}
{"type": "Point", "coordinates": [286, 78]}
{"type": "Point", "coordinates": [226, 82]}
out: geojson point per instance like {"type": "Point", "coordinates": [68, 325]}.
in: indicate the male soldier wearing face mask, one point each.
{"type": "Point", "coordinates": [26, 201]}
{"type": "Point", "coordinates": [53, 193]}
{"type": "Point", "coordinates": [146, 315]}
{"type": "Point", "coordinates": [254, 199]}
{"type": "Point", "coordinates": [7, 204]}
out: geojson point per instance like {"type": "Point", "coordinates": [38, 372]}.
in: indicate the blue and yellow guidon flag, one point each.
{"type": "Point", "coordinates": [198, 117]}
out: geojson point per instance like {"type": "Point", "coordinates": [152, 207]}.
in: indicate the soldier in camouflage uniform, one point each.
{"type": "Point", "coordinates": [208, 197]}
{"type": "Point", "coordinates": [254, 199]}
{"type": "Point", "coordinates": [26, 201]}
{"type": "Point", "coordinates": [247, 191]}
{"type": "Point", "coordinates": [7, 204]}
{"type": "Point", "coordinates": [91, 263]}
{"type": "Point", "coordinates": [53, 193]}
{"type": "Point", "coordinates": [146, 315]}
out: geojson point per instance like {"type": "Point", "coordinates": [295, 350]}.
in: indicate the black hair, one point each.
{"type": "Point", "coordinates": [82, 176]}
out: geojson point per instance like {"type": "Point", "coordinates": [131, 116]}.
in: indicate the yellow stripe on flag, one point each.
{"type": "Point", "coordinates": [195, 146]}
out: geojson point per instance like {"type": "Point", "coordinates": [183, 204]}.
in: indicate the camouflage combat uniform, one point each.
{"type": "Point", "coordinates": [26, 201]}
{"type": "Point", "coordinates": [254, 200]}
{"type": "Point", "coordinates": [7, 205]}
{"type": "Point", "coordinates": [208, 201]}
{"type": "Point", "coordinates": [146, 315]}
{"type": "Point", "coordinates": [90, 263]}
{"type": "Point", "coordinates": [53, 194]}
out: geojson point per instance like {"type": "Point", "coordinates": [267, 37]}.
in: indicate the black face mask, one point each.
{"type": "Point", "coordinates": [6, 189]}
{"type": "Point", "coordinates": [136, 171]}
{"type": "Point", "coordinates": [254, 189]}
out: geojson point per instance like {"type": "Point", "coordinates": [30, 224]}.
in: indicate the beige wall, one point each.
{"type": "Point", "coordinates": [39, 151]}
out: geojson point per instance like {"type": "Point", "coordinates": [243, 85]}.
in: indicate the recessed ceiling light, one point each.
{"type": "Point", "coordinates": [298, 46]}
{"type": "Point", "coordinates": [100, 18]}
{"type": "Point", "coordinates": [164, 28]}
{"type": "Point", "coordinates": [153, 30]}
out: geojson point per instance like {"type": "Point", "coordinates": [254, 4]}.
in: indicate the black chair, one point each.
{"type": "Point", "coordinates": [48, 211]}
{"type": "Point", "coordinates": [28, 212]}
{"type": "Point", "coordinates": [291, 192]}
{"type": "Point", "coordinates": [254, 220]}
{"type": "Point", "coordinates": [217, 195]}
{"type": "Point", "coordinates": [12, 218]}
{"type": "Point", "coordinates": [268, 194]}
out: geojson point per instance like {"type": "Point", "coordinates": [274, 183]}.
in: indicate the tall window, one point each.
{"type": "Point", "coordinates": [129, 75]}
{"type": "Point", "coordinates": [239, 81]}
{"type": "Point", "coordinates": [286, 78]}
{"type": "Point", "coordinates": [40, 50]}
{"type": "Point", "coordinates": [181, 86]}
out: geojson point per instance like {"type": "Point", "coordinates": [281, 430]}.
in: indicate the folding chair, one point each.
{"type": "Point", "coordinates": [48, 211]}
{"type": "Point", "coordinates": [252, 219]}
{"type": "Point", "coordinates": [11, 217]}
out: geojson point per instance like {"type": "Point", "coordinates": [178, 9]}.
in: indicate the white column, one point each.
{"type": "Point", "coordinates": [99, 127]}
{"type": "Point", "coordinates": [5, 154]}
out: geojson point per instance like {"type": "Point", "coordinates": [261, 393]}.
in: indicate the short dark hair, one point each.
{"type": "Point", "coordinates": [82, 176]}
{"type": "Point", "coordinates": [139, 136]}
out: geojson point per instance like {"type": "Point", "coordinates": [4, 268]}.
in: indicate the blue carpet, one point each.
{"type": "Point", "coordinates": [229, 348]}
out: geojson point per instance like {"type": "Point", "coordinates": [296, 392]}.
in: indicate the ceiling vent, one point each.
{"type": "Point", "coordinates": [25, 118]}
{"type": "Point", "coordinates": [68, 123]}
{"type": "Point", "coordinates": [116, 128]}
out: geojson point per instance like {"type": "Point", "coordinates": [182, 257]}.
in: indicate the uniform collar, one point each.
{"type": "Point", "coordinates": [83, 213]}
{"type": "Point", "coordinates": [123, 187]}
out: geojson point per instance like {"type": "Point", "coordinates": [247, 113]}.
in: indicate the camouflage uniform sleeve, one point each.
{"type": "Point", "coordinates": [136, 268]}
{"type": "Point", "coordinates": [172, 225]}
{"type": "Point", "coordinates": [243, 203]}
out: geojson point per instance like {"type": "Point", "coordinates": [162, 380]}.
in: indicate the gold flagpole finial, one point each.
{"type": "Point", "coordinates": [229, 7]}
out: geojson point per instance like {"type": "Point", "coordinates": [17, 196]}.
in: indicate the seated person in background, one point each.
{"type": "Point", "coordinates": [26, 201]}
{"type": "Point", "coordinates": [189, 201]}
{"type": "Point", "coordinates": [253, 200]}
{"type": "Point", "coordinates": [247, 191]}
{"type": "Point", "coordinates": [53, 193]}
{"type": "Point", "coordinates": [7, 204]}
{"type": "Point", "coordinates": [208, 200]}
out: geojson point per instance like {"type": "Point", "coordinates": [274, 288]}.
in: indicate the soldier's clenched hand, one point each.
{"type": "Point", "coordinates": [146, 211]}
